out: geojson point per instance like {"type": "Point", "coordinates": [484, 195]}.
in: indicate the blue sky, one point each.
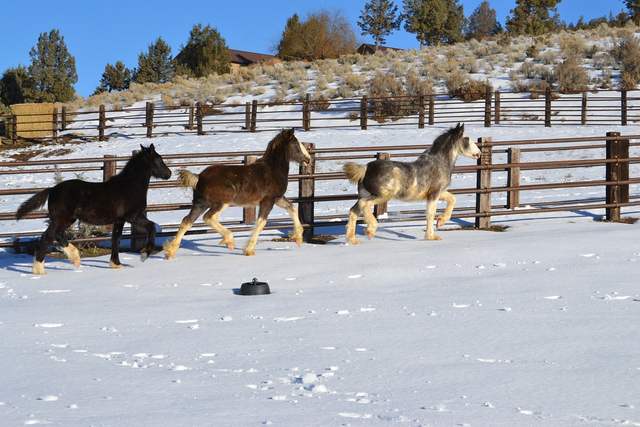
{"type": "Point", "coordinates": [104, 32]}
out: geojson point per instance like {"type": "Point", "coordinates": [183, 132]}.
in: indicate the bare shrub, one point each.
{"type": "Point", "coordinates": [571, 76]}
{"type": "Point", "coordinates": [354, 81]}
{"type": "Point", "coordinates": [415, 85]}
{"type": "Point", "coordinates": [471, 90]}
{"type": "Point", "coordinates": [572, 45]}
{"type": "Point", "coordinates": [381, 88]}
{"type": "Point", "coordinates": [320, 104]}
{"type": "Point", "coordinates": [548, 57]}
{"type": "Point", "coordinates": [627, 53]}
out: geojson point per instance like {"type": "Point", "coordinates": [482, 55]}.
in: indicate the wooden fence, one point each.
{"type": "Point", "coordinates": [548, 109]}
{"type": "Point", "coordinates": [615, 182]}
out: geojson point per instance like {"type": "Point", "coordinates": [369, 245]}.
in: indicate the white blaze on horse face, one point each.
{"type": "Point", "coordinates": [472, 151]}
{"type": "Point", "coordinates": [304, 151]}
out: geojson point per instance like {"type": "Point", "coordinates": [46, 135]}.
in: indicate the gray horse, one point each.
{"type": "Point", "coordinates": [427, 178]}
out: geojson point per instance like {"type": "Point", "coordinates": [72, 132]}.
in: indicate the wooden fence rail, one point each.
{"type": "Point", "coordinates": [499, 107]}
{"type": "Point", "coordinates": [616, 180]}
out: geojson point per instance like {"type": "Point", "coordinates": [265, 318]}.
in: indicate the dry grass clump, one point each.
{"type": "Point", "coordinates": [354, 81]}
{"type": "Point", "coordinates": [416, 85]}
{"type": "Point", "coordinates": [572, 45]}
{"type": "Point", "coordinates": [571, 76]}
{"type": "Point", "coordinates": [382, 86]}
{"type": "Point", "coordinates": [460, 86]}
{"type": "Point", "coordinates": [627, 54]}
{"type": "Point", "coordinates": [321, 103]}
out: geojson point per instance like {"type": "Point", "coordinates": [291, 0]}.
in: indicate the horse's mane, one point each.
{"type": "Point", "coordinates": [443, 143]}
{"type": "Point", "coordinates": [275, 145]}
{"type": "Point", "coordinates": [133, 164]}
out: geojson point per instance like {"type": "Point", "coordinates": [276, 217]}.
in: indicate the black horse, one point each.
{"type": "Point", "coordinates": [123, 198]}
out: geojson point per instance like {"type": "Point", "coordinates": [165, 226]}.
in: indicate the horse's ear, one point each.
{"type": "Point", "coordinates": [152, 147]}
{"type": "Point", "coordinates": [143, 148]}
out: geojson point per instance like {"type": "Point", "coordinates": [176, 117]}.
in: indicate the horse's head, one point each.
{"type": "Point", "coordinates": [297, 151]}
{"type": "Point", "coordinates": [464, 145]}
{"type": "Point", "coordinates": [158, 168]}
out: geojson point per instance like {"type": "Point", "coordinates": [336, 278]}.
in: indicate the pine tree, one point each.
{"type": "Point", "coordinates": [114, 77]}
{"type": "Point", "coordinates": [454, 23]}
{"type": "Point", "coordinates": [426, 19]}
{"type": "Point", "coordinates": [290, 45]}
{"type": "Point", "coordinates": [634, 10]}
{"type": "Point", "coordinates": [482, 22]}
{"type": "Point", "coordinates": [533, 17]}
{"type": "Point", "coordinates": [379, 18]}
{"type": "Point", "coordinates": [205, 53]}
{"type": "Point", "coordinates": [52, 69]}
{"type": "Point", "coordinates": [15, 86]}
{"type": "Point", "coordinates": [156, 65]}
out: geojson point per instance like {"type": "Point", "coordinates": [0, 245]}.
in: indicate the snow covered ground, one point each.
{"type": "Point", "coordinates": [533, 326]}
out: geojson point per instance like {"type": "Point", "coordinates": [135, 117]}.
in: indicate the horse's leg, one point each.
{"type": "Point", "coordinates": [265, 208]}
{"type": "Point", "coordinates": [432, 205]}
{"type": "Point", "coordinates": [171, 247]}
{"type": "Point", "coordinates": [116, 234]}
{"type": "Point", "coordinates": [285, 204]}
{"type": "Point", "coordinates": [369, 217]}
{"type": "Point", "coordinates": [212, 217]}
{"type": "Point", "coordinates": [354, 213]}
{"type": "Point", "coordinates": [450, 199]}
{"type": "Point", "coordinates": [45, 241]}
{"type": "Point", "coordinates": [150, 227]}
{"type": "Point", "coordinates": [71, 252]}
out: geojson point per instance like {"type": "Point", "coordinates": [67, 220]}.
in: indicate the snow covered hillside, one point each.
{"type": "Point", "coordinates": [534, 326]}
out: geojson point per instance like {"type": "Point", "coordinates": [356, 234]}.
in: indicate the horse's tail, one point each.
{"type": "Point", "coordinates": [354, 171]}
{"type": "Point", "coordinates": [187, 179]}
{"type": "Point", "coordinates": [34, 202]}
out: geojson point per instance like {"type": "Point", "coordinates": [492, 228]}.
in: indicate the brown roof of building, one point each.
{"type": "Point", "coordinates": [371, 48]}
{"type": "Point", "coordinates": [247, 58]}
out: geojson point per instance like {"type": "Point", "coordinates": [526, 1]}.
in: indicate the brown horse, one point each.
{"type": "Point", "coordinates": [262, 183]}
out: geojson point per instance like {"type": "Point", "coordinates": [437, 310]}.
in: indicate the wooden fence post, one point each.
{"type": "Point", "coordinates": [109, 167]}
{"type": "Point", "coordinates": [306, 190]}
{"type": "Point", "coordinates": [199, 114]}
{"type": "Point", "coordinates": [254, 116]}
{"type": "Point", "coordinates": [513, 179]}
{"type": "Point", "coordinates": [54, 124]}
{"type": "Point", "coordinates": [14, 129]}
{"type": "Point", "coordinates": [547, 107]}
{"type": "Point", "coordinates": [617, 193]}
{"type": "Point", "coordinates": [249, 213]}
{"type": "Point", "coordinates": [496, 119]}
{"type": "Point", "coordinates": [247, 116]}
{"type": "Point", "coordinates": [102, 122]}
{"type": "Point", "coordinates": [487, 107]}
{"type": "Point", "coordinates": [306, 114]}
{"type": "Point", "coordinates": [381, 208]}
{"type": "Point", "coordinates": [432, 109]}
{"type": "Point", "coordinates": [363, 113]}
{"type": "Point", "coordinates": [63, 123]}
{"type": "Point", "coordinates": [583, 110]}
{"type": "Point", "coordinates": [421, 111]}
{"type": "Point", "coordinates": [483, 182]}
{"type": "Point", "coordinates": [623, 107]}
{"type": "Point", "coordinates": [149, 119]}
{"type": "Point", "coordinates": [191, 117]}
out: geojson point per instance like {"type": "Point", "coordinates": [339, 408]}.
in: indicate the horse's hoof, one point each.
{"type": "Point", "coordinates": [249, 252]}
{"type": "Point", "coordinates": [370, 234]}
{"type": "Point", "coordinates": [434, 237]}
{"type": "Point", "coordinates": [114, 265]}
{"type": "Point", "coordinates": [353, 242]}
{"type": "Point", "coordinates": [144, 256]}
{"type": "Point", "coordinates": [229, 244]}
{"type": "Point", "coordinates": [38, 268]}
{"type": "Point", "coordinates": [298, 240]}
